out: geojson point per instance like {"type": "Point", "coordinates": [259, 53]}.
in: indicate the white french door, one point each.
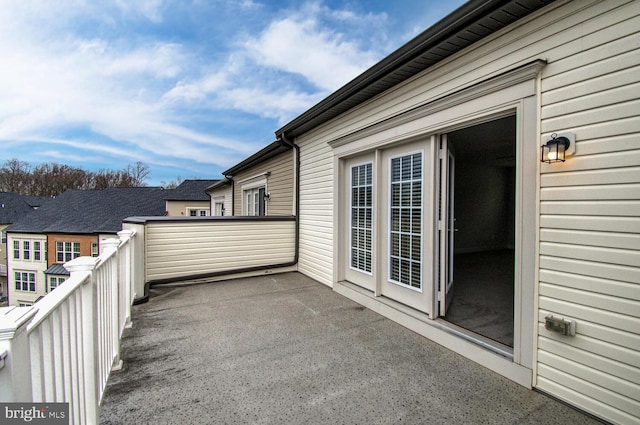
{"type": "Point", "coordinates": [446, 224]}
{"type": "Point", "coordinates": [407, 172]}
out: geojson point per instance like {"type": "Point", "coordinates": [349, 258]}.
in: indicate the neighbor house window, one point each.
{"type": "Point", "coordinates": [361, 217]}
{"type": "Point", "coordinates": [198, 213]}
{"type": "Point", "coordinates": [26, 250]}
{"type": "Point", "coordinates": [67, 251]}
{"type": "Point", "coordinates": [25, 304]}
{"type": "Point", "coordinates": [254, 201]}
{"type": "Point", "coordinates": [55, 281]}
{"type": "Point", "coordinates": [37, 250]}
{"type": "Point", "coordinates": [16, 250]}
{"type": "Point", "coordinates": [406, 218]}
{"type": "Point", "coordinates": [94, 249]}
{"type": "Point", "coordinates": [25, 281]}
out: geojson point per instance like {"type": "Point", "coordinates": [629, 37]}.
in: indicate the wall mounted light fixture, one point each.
{"type": "Point", "coordinates": [558, 147]}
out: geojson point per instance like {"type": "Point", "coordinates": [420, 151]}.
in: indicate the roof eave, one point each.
{"type": "Point", "coordinates": [456, 22]}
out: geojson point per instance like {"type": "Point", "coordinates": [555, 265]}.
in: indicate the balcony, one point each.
{"type": "Point", "coordinates": [263, 348]}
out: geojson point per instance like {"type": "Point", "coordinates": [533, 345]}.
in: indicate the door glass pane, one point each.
{"type": "Point", "coordinates": [361, 217]}
{"type": "Point", "coordinates": [405, 262]}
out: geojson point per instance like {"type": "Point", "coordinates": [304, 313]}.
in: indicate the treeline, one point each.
{"type": "Point", "coordinates": [51, 179]}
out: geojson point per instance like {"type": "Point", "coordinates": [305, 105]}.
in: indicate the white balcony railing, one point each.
{"type": "Point", "coordinates": [64, 347]}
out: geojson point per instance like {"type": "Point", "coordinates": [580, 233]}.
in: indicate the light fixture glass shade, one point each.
{"type": "Point", "coordinates": [554, 150]}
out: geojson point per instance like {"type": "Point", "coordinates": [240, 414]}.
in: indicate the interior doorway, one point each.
{"type": "Point", "coordinates": [478, 258]}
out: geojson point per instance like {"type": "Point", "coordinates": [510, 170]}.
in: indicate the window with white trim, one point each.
{"type": "Point", "coordinates": [25, 281]}
{"type": "Point", "coordinates": [16, 249]}
{"type": "Point", "coordinates": [405, 259]}
{"type": "Point", "coordinates": [27, 250]}
{"type": "Point", "coordinates": [37, 250]}
{"type": "Point", "coordinates": [254, 201]}
{"type": "Point", "coordinates": [95, 249]}
{"type": "Point", "coordinates": [361, 217]}
{"type": "Point", "coordinates": [67, 251]}
{"type": "Point", "coordinates": [195, 212]}
{"type": "Point", "coordinates": [55, 281]}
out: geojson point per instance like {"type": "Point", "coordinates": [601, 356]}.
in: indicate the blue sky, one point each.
{"type": "Point", "coordinates": [189, 88]}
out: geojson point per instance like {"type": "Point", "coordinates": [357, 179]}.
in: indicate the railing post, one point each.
{"type": "Point", "coordinates": [83, 265]}
{"type": "Point", "coordinates": [125, 266]}
{"type": "Point", "coordinates": [15, 360]}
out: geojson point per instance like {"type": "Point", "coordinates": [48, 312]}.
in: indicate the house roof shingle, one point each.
{"type": "Point", "coordinates": [92, 211]}
{"type": "Point", "coordinates": [191, 190]}
{"type": "Point", "coordinates": [14, 206]}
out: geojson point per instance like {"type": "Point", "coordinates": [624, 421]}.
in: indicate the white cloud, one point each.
{"type": "Point", "coordinates": [302, 47]}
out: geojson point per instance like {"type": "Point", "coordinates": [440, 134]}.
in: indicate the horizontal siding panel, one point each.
{"type": "Point", "coordinates": [620, 305]}
{"type": "Point", "coordinates": [617, 191]}
{"type": "Point", "coordinates": [580, 312]}
{"type": "Point", "coordinates": [595, 62]}
{"type": "Point", "coordinates": [589, 268]}
{"type": "Point", "coordinates": [604, 114]}
{"type": "Point", "coordinates": [586, 403]}
{"type": "Point", "coordinates": [597, 339]}
{"type": "Point", "coordinates": [597, 239]}
{"type": "Point", "coordinates": [627, 175]}
{"type": "Point", "coordinates": [618, 78]}
{"type": "Point", "coordinates": [597, 362]}
{"type": "Point", "coordinates": [626, 142]}
{"type": "Point", "coordinates": [624, 257]}
{"type": "Point", "coordinates": [591, 102]}
{"type": "Point", "coordinates": [605, 380]}
{"type": "Point", "coordinates": [591, 208]}
{"type": "Point", "coordinates": [593, 284]}
{"type": "Point", "coordinates": [596, 162]}
{"type": "Point", "coordinates": [595, 223]}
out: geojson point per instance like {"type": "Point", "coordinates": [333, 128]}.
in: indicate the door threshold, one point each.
{"type": "Point", "coordinates": [482, 341]}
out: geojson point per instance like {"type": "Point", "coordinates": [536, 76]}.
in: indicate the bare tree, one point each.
{"type": "Point", "coordinates": [138, 172]}
{"type": "Point", "coordinates": [14, 176]}
{"type": "Point", "coordinates": [50, 179]}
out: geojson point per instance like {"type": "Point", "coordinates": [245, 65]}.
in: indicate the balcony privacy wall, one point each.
{"type": "Point", "coordinates": [589, 262]}
{"type": "Point", "coordinates": [194, 247]}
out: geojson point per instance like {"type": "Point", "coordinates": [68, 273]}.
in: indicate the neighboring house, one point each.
{"type": "Point", "coordinates": [12, 207]}
{"type": "Point", "coordinates": [221, 197]}
{"type": "Point", "coordinates": [261, 185]}
{"type": "Point", "coordinates": [69, 226]}
{"type": "Point", "coordinates": [423, 195]}
{"type": "Point", "coordinates": [190, 199]}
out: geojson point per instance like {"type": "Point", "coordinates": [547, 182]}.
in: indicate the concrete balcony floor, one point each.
{"type": "Point", "coordinates": [284, 349]}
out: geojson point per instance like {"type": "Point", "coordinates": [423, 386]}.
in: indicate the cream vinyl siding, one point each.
{"type": "Point", "coordinates": [316, 210]}
{"type": "Point", "coordinates": [279, 184]}
{"type": "Point", "coordinates": [224, 191]}
{"type": "Point", "coordinates": [589, 263]}
{"type": "Point", "coordinates": [590, 219]}
{"type": "Point", "coordinates": [189, 248]}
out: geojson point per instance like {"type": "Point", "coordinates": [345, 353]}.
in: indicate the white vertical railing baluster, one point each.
{"type": "Point", "coordinates": [57, 360]}
{"type": "Point", "coordinates": [47, 354]}
{"type": "Point", "coordinates": [89, 335]}
{"type": "Point", "coordinates": [37, 367]}
{"type": "Point", "coordinates": [65, 324]}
